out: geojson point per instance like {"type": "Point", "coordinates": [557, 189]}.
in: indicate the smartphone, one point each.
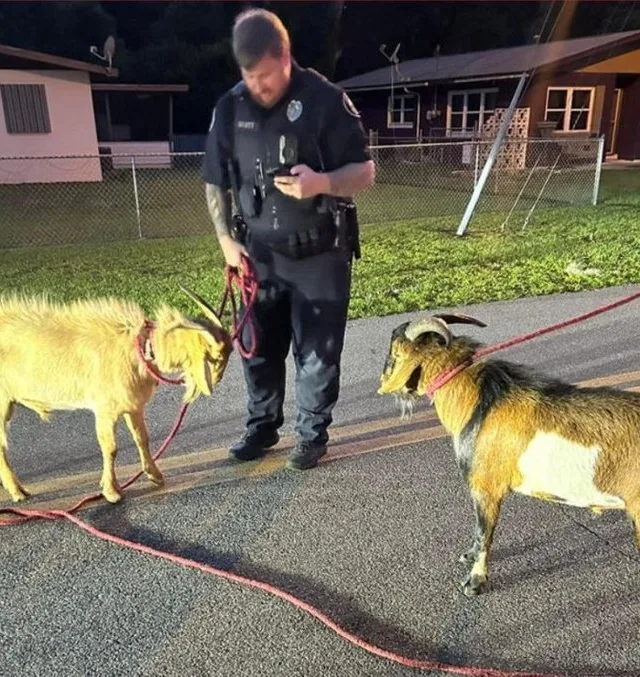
{"type": "Point", "coordinates": [280, 171]}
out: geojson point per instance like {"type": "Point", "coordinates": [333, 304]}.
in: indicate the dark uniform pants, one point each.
{"type": "Point", "coordinates": [301, 303]}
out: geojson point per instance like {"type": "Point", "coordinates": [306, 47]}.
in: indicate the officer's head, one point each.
{"type": "Point", "coordinates": [262, 51]}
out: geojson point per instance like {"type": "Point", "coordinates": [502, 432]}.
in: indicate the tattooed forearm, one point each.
{"type": "Point", "coordinates": [219, 204]}
{"type": "Point", "coordinates": [351, 179]}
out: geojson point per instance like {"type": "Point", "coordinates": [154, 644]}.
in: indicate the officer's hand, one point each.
{"type": "Point", "coordinates": [303, 183]}
{"type": "Point", "coordinates": [232, 251]}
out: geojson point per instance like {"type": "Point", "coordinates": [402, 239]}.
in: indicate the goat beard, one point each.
{"type": "Point", "coordinates": [406, 401]}
{"type": "Point", "coordinates": [193, 389]}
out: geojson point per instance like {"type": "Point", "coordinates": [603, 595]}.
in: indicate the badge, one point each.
{"type": "Point", "coordinates": [294, 110]}
{"type": "Point", "coordinates": [213, 119]}
{"type": "Point", "coordinates": [348, 106]}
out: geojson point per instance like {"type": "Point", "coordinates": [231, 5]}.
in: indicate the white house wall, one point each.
{"type": "Point", "coordinates": [73, 132]}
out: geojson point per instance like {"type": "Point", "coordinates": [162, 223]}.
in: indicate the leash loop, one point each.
{"type": "Point", "coordinates": [246, 280]}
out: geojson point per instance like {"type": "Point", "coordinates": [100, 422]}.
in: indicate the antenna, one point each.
{"type": "Point", "coordinates": [395, 70]}
{"type": "Point", "coordinates": [393, 59]}
{"type": "Point", "coordinates": [108, 51]}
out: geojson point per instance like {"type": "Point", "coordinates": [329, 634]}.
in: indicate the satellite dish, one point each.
{"type": "Point", "coordinates": [108, 51]}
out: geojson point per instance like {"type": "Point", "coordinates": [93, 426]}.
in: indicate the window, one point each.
{"type": "Point", "coordinates": [25, 109]}
{"type": "Point", "coordinates": [468, 110]}
{"type": "Point", "coordinates": [401, 110]}
{"type": "Point", "coordinates": [570, 108]}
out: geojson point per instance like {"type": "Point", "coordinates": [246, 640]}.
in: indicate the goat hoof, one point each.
{"type": "Point", "coordinates": [112, 495]}
{"type": "Point", "coordinates": [155, 477]}
{"type": "Point", "coordinates": [475, 585]}
{"type": "Point", "coordinates": [468, 557]}
{"type": "Point", "coordinates": [19, 494]}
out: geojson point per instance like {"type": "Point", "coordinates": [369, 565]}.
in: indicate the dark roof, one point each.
{"type": "Point", "coordinates": [24, 59]}
{"type": "Point", "coordinates": [505, 62]}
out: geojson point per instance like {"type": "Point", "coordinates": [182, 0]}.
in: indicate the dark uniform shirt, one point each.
{"type": "Point", "coordinates": [315, 120]}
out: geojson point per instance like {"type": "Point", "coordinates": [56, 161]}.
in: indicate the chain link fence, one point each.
{"type": "Point", "coordinates": [67, 200]}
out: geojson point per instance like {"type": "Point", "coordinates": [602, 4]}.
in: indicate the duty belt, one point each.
{"type": "Point", "coordinates": [303, 244]}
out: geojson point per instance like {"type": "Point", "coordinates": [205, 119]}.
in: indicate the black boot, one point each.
{"type": "Point", "coordinates": [253, 445]}
{"type": "Point", "coordinates": [306, 455]}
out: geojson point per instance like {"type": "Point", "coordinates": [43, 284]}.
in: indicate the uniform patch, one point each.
{"type": "Point", "coordinates": [246, 124]}
{"type": "Point", "coordinates": [349, 107]}
{"type": "Point", "coordinates": [294, 110]}
{"type": "Point", "coordinates": [213, 119]}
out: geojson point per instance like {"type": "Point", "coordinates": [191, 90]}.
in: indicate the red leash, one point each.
{"type": "Point", "coordinates": [247, 282]}
{"type": "Point", "coordinates": [446, 376]}
{"type": "Point", "coordinates": [471, 671]}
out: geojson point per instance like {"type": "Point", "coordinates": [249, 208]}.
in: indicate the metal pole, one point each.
{"type": "Point", "coordinates": [171, 122]}
{"type": "Point", "coordinates": [475, 173]}
{"type": "Point", "coordinates": [504, 126]}
{"type": "Point", "coordinates": [135, 194]}
{"type": "Point", "coordinates": [108, 109]}
{"type": "Point", "coordinates": [596, 181]}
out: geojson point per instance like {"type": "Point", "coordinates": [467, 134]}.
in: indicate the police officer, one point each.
{"type": "Point", "coordinates": [289, 146]}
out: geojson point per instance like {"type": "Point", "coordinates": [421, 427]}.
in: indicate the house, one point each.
{"type": "Point", "coordinates": [70, 112]}
{"type": "Point", "coordinates": [582, 87]}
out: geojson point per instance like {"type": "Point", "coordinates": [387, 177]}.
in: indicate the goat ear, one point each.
{"type": "Point", "coordinates": [460, 319]}
{"type": "Point", "coordinates": [199, 369]}
{"type": "Point", "coordinates": [202, 377]}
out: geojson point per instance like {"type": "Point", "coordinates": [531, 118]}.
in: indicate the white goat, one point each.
{"type": "Point", "coordinates": [85, 356]}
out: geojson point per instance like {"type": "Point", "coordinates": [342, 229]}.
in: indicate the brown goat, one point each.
{"type": "Point", "coordinates": [85, 356]}
{"type": "Point", "coordinates": [515, 430]}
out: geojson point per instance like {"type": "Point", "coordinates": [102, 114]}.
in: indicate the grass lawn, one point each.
{"type": "Point", "coordinates": [407, 264]}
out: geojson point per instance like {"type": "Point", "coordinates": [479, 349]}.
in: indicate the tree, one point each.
{"type": "Point", "coordinates": [63, 28]}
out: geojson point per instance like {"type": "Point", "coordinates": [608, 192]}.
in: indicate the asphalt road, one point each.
{"type": "Point", "coordinates": [371, 538]}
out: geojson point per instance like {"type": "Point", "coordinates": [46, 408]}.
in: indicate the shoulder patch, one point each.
{"type": "Point", "coordinates": [348, 106]}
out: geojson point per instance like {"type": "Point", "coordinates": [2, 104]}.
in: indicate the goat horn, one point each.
{"type": "Point", "coordinates": [460, 319]}
{"type": "Point", "coordinates": [203, 305]}
{"type": "Point", "coordinates": [430, 324]}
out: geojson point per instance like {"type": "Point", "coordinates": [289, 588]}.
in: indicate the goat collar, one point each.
{"type": "Point", "coordinates": [446, 376]}
{"type": "Point", "coordinates": [144, 346]}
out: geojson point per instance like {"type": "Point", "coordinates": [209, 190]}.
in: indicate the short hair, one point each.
{"type": "Point", "coordinates": [256, 33]}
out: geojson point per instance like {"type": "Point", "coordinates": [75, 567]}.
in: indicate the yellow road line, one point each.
{"type": "Point", "coordinates": [185, 471]}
